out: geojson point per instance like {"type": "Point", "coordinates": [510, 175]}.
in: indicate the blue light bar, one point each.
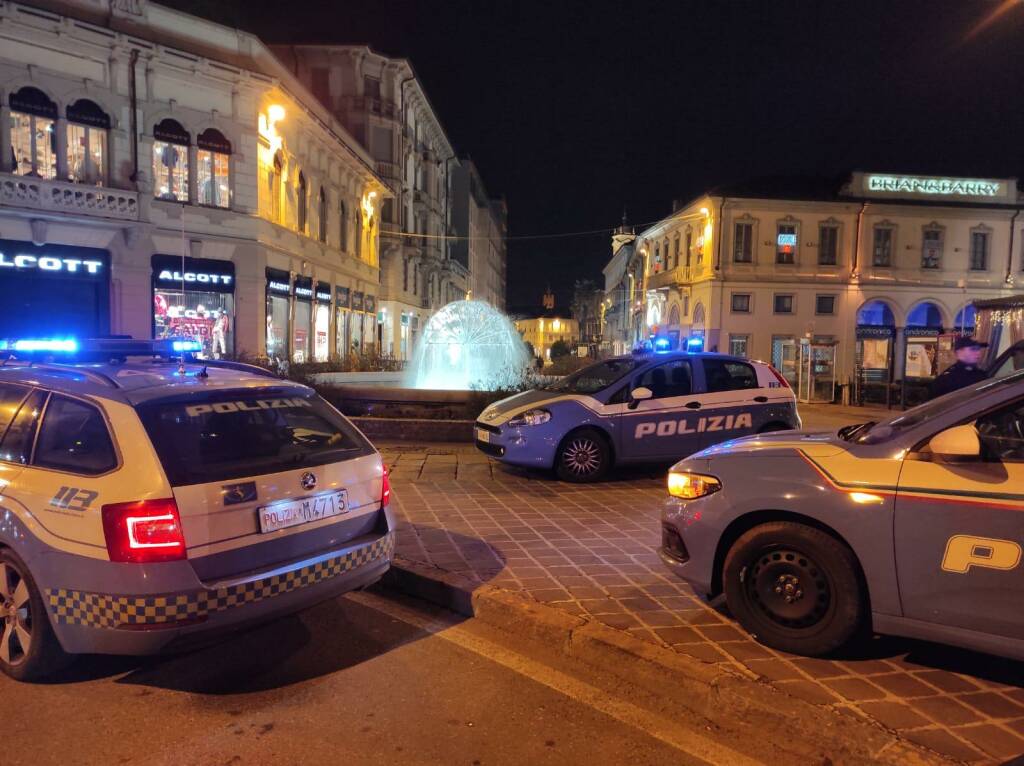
{"type": "Point", "coordinates": [694, 344]}
{"type": "Point", "coordinates": [187, 345]}
{"type": "Point", "coordinates": [661, 345]}
{"type": "Point", "coordinates": [65, 345]}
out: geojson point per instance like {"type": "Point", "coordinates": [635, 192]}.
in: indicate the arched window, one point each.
{"type": "Point", "coordinates": [359, 234]}
{"type": "Point", "coordinates": [170, 160]}
{"type": "Point", "coordinates": [875, 314]}
{"type": "Point", "coordinates": [925, 315]}
{"type": "Point", "coordinates": [965, 320]}
{"type": "Point", "coordinates": [274, 175]}
{"type": "Point", "coordinates": [33, 133]}
{"type": "Point", "coordinates": [322, 215]}
{"type": "Point", "coordinates": [301, 211]}
{"type": "Point", "coordinates": [673, 316]}
{"type": "Point", "coordinates": [213, 178]}
{"type": "Point", "coordinates": [88, 128]}
{"type": "Point", "coordinates": [342, 227]}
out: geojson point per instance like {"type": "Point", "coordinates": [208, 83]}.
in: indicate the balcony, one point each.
{"type": "Point", "coordinates": [388, 229]}
{"type": "Point", "coordinates": [62, 197]}
{"type": "Point", "coordinates": [389, 171]}
{"type": "Point", "coordinates": [373, 106]}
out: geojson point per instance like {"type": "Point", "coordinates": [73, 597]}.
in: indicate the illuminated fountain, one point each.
{"type": "Point", "coordinates": [469, 345]}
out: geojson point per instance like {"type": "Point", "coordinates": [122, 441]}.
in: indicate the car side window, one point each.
{"type": "Point", "coordinates": [11, 397]}
{"type": "Point", "coordinates": [1002, 434]}
{"type": "Point", "coordinates": [666, 380]}
{"type": "Point", "coordinates": [727, 375]}
{"type": "Point", "coordinates": [74, 438]}
{"type": "Point", "coordinates": [16, 446]}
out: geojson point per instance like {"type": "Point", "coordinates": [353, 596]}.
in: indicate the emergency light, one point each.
{"type": "Point", "coordinates": [695, 344]}
{"type": "Point", "coordinates": [661, 345]}
{"type": "Point", "coordinates": [98, 349]}
{"type": "Point", "coordinates": [58, 345]}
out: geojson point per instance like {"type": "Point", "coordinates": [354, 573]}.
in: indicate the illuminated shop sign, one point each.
{"type": "Point", "coordinates": [279, 282]}
{"type": "Point", "coordinates": [323, 292]}
{"type": "Point", "coordinates": [304, 288]}
{"type": "Point", "coordinates": [50, 263]}
{"type": "Point", "coordinates": [950, 187]}
{"type": "Point", "coordinates": [170, 272]}
{"type": "Point", "coordinates": [787, 240]}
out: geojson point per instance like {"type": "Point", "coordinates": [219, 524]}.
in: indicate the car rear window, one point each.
{"type": "Point", "coordinates": [74, 437]}
{"type": "Point", "coordinates": [245, 433]}
{"type": "Point", "coordinates": [726, 375]}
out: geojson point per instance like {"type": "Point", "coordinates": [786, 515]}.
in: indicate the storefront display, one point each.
{"type": "Point", "coordinates": [194, 298]}
{"type": "Point", "coordinates": [343, 342]}
{"type": "Point", "coordinates": [302, 320]}
{"type": "Point", "coordinates": [279, 292]}
{"type": "Point", "coordinates": [357, 322]}
{"type": "Point", "coordinates": [370, 322]}
{"type": "Point", "coordinates": [53, 290]}
{"type": "Point", "coordinates": [322, 323]}
{"type": "Point", "coordinates": [874, 357]}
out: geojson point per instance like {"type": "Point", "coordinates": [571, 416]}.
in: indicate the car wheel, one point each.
{"type": "Point", "coordinates": [584, 456]}
{"type": "Point", "coordinates": [794, 588]}
{"type": "Point", "coordinates": [29, 650]}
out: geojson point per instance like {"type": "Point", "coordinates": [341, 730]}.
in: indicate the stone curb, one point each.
{"type": "Point", "coordinates": [742, 706]}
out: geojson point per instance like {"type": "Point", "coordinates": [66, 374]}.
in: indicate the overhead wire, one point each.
{"type": "Point", "coordinates": [560, 235]}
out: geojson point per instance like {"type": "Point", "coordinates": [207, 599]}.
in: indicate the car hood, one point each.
{"type": "Point", "coordinates": [811, 443]}
{"type": "Point", "coordinates": [502, 410]}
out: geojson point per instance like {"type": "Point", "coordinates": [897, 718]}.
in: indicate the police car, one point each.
{"type": "Point", "coordinates": [148, 501]}
{"type": "Point", "coordinates": [912, 526]}
{"type": "Point", "coordinates": [638, 408]}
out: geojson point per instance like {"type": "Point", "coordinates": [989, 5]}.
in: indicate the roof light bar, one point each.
{"type": "Point", "coordinates": [65, 345]}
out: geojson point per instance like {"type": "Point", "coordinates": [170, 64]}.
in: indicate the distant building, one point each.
{"type": "Point", "coordinates": [544, 331]}
{"type": "Point", "coordinates": [480, 231]}
{"type": "Point", "coordinates": [588, 310]}
{"type": "Point", "coordinates": [623, 289]}
{"type": "Point", "coordinates": [883, 267]}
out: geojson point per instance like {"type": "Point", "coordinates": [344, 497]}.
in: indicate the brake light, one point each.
{"type": "Point", "coordinates": [143, 532]}
{"type": "Point", "coordinates": [385, 489]}
{"type": "Point", "coordinates": [778, 376]}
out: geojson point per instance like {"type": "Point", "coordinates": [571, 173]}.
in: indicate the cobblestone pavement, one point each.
{"type": "Point", "coordinates": [590, 551]}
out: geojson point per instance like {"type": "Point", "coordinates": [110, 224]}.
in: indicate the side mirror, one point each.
{"type": "Point", "coordinates": [957, 443]}
{"type": "Point", "coordinates": [638, 395]}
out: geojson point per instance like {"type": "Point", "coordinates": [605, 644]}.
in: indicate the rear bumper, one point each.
{"type": "Point", "coordinates": [104, 623]}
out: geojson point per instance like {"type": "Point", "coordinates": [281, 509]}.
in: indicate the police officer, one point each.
{"type": "Point", "coordinates": [964, 371]}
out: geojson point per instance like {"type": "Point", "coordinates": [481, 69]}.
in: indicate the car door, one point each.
{"type": "Point", "coordinates": [11, 466]}
{"type": "Point", "coordinates": [729, 399]}
{"type": "Point", "coordinates": [959, 531]}
{"type": "Point", "coordinates": [664, 426]}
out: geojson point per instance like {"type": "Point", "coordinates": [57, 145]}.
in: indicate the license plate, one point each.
{"type": "Point", "coordinates": [291, 513]}
{"type": "Point", "coordinates": [483, 435]}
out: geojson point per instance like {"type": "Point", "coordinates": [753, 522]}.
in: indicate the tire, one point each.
{"type": "Point", "coordinates": [583, 456]}
{"type": "Point", "coordinates": [24, 621]}
{"type": "Point", "coordinates": [794, 588]}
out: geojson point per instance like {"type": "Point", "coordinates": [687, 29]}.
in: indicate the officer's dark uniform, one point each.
{"type": "Point", "coordinates": [955, 377]}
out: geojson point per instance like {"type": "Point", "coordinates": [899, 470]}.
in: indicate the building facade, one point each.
{"type": "Point", "coordinates": [166, 176]}
{"type": "Point", "coordinates": [382, 103]}
{"type": "Point", "coordinates": [544, 331]}
{"type": "Point", "coordinates": [480, 231]}
{"type": "Point", "coordinates": [879, 268]}
{"type": "Point", "coordinates": [621, 323]}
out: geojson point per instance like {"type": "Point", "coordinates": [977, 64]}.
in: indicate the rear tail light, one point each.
{"type": "Point", "coordinates": [385, 489]}
{"type": "Point", "coordinates": [144, 531]}
{"type": "Point", "coordinates": [778, 376]}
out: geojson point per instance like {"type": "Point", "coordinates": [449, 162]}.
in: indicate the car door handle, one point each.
{"type": "Point", "coordinates": [693, 405]}
{"type": "Point", "coordinates": [761, 399]}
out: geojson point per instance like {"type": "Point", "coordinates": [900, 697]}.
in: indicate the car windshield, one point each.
{"type": "Point", "coordinates": [594, 378]}
{"type": "Point", "coordinates": [246, 433]}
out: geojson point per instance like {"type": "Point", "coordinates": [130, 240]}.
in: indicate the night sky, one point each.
{"type": "Point", "coordinates": [575, 110]}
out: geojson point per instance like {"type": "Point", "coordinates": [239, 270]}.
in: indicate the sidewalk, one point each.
{"type": "Point", "coordinates": [589, 552]}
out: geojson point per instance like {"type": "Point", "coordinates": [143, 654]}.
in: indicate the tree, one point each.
{"type": "Point", "coordinates": [530, 349]}
{"type": "Point", "coordinates": [559, 349]}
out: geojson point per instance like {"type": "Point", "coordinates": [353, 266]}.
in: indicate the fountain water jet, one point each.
{"type": "Point", "coordinates": [469, 345]}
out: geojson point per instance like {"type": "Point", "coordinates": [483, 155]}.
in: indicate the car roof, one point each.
{"type": "Point", "coordinates": [137, 382]}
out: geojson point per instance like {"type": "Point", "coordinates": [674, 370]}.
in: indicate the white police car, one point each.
{"type": "Point", "coordinates": [148, 501]}
{"type": "Point", "coordinates": [638, 408]}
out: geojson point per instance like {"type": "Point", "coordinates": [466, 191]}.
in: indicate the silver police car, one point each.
{"type": "Point", "coordinates": [912, 526]}
{"type": "Point", "coordinates": [633, 409]}
{"type": "Point", "coordinates": [148, 501]}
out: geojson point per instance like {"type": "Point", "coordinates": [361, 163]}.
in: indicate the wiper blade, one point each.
{"type": "Point", "coordinates": [846, 433]}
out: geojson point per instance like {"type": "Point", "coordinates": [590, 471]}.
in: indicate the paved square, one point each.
{"type": "Point", "coordinates": [590, 550]}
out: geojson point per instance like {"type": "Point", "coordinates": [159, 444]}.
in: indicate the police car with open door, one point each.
{"type": "Point", "coordinates": [634, 409]}
{"type": "Point", "coordinates": [148, 501]}
{"type": "Point", "coordinates": [913, 526]}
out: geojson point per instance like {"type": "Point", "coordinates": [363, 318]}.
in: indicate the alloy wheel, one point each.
{"type": "Point", "coordinates": [15, 616]}
{"type": "Point", "coordinates": [582, 456]}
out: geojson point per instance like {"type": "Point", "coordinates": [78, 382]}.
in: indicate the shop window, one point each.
{"type": "Point", "coordinates": [322, 216]}
{"type": "Point", "coordinates": [979, 250]}
{"type": "Point", "coordinates": [170, 161]}
{"type": "Point", "coordinates": [741, 303]}
{"type": "Point", "coordinates": [825, 304]}
{"type": "Point", "coordinates": [321, 332]}
{"type": "Point", "coordinates": [301, 209]}
{"type": "Point", "coordinates": [882, 246]}
{"type": "Point", "coordinates": [194, 298]}
{"type": "Point", "coordinates": [278, 301]}
{"type": "Point", "coordinates": [88, 128]}
{"type": "Point", "coordinates": [33, 134]}
{"type": "Point", "coordinates": [342, 227]}
{"type": "Point", "coordinates": [931, 247]}
{"type": "Point", "coordinates": [739, 345]}
{"type": "Point", "coordinates": [74, 438]}
{"type": "Point", "coordinates": [213, 160]}
{"type": "Point", "coordinates": [783, 304]}
{"type": "Point", "coordinates": [743, 243]}
{"type": "Point", "coordinates": [785, 249]}
{"type": "Point", "coordinates": [828, 244]}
